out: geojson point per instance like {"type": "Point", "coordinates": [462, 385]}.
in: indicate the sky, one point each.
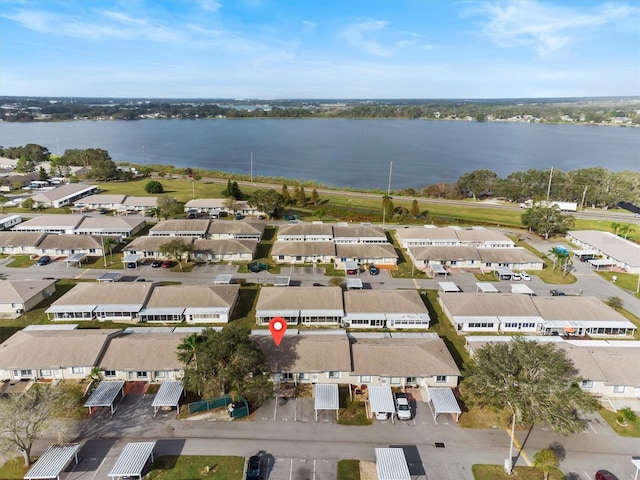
{"type": "Point", "coordinates": [321, 49]}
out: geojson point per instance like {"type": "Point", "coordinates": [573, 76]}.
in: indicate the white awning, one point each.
{"type": "Point", "coordinates": [127, 308]}
{"type": "Point", "coordinates": [381, 399]}
{"type": "Point", "coordinates": [437, 268]}
{"type": "Point", "coordinates": [105, 394]}
{"type": "Point", "coordinates": [53, 461]}
{"type": "Point", "coordinates": [354, 283]}
{"type": "Point", "coordinates": [168, 396]}
{"type": "Point", "coordinates": [326, 397]}
{"type": "Point", "coordinates": [110, 277]}
{"type": "Point", "coordinates": [133, 459]}
{"type": "Point", "coordinates": [448, 287]}
{"type": "Point", "coordinates": [580, 253]}
{"type": "Point", "coordinates": [132, 258]}
{"type": "Point", "coordinates": [391, 464]}
{"type": "Point", "coordinates": [70, 308]}
{"type": "Point", "coordinates": [75, 258]}
{"type": "Point", "coordinates": [223, 279]}
{"type": "Point", "coordinates": [442, 400]}
{"type": "Point", "coordinates": [521, 288]}
{"type": "Point", "coordinates": [504, 271]}
{"type": "Point", "coordinates": [161, 311]}
{"type": "Point", "coordinates": [486, 287]}
{"type": "Point", "coordinates": [281, 281]}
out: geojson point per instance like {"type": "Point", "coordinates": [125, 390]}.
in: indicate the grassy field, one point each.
{"type": "Point", "coordinates": [190, 467]}
{"type": "Point", "coordinates": [631, 430]}
{"type": "Point", "coordinates": [13, 469]}
{"type": "Point", "coordinates": [626, 281]}
{"type": "Point", "coordinates": [496, 472]}
{"type": "Point", "coordinates": [349, 470]}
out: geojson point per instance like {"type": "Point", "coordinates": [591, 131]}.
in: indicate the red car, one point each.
{"type": "Point", "coordinates": [166, 264]}
{"type": "Point", "coordinates": [605, 475]}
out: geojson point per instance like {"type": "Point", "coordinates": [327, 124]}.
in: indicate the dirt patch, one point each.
{"type": "Point", "coordinates": [368, 471]}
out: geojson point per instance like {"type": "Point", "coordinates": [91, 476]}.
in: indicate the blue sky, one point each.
{"type": "Point", "coordinates": [319, 48]}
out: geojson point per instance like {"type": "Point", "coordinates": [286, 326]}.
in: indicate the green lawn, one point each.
{"type": "Point", "coordinates": [353, 412]}
{"type": "Point", "coordinates": [631, 430]}
{"type": "Point", "coordinates": [191, 467]}
{"type": "Point", "coordinates": [626, 281]}
{"type": "Point", "coordinates": [547, 274]}
{"type": "Point", "coordinates": [349, 470]}
{"type": "Point", "coordinates": [21, 261]}
{"type": "Point", "coordinates": [496, 472]}
{"type": "Point", "coordinates": [13, 469]}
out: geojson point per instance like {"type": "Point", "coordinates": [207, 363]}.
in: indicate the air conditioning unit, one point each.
{"type": "Point", "coordinates": [20, 311]}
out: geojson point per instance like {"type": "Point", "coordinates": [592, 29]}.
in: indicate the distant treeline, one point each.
{"type": "Point", "coordinates": [614, 111]}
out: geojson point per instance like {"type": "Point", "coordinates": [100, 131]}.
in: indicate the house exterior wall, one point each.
{"type": "Point", "coordinates": [600, 388]}
{"type": "Point", "coordinates": [213, 317]}
{"type": "Point", "coordinates": [10, 221]}
{"type": "Point", "coordinates": [143, 375]}
{"type": "Point", "coordinates": [298, 259]}
{"type": "Point", "coordinates": [337, 377]}
{"type": "Point", "coordinates": [221, 257]}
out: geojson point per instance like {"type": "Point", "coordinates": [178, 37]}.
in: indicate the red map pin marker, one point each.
{"type": "Point", "coordinates": [277, 327]}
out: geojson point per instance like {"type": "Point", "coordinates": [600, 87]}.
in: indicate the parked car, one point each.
{"type": "Point", "coordinates": [516, 277]}
{"type": "Point", "coordinates": [402, 406]}
{"type": "Point", "coordinates": [382, 415]}
{"type": "Point", "coordinates": [525, 276]}
{"type": "Point", "coordinates": [557, 293]}
{"type": "Point", "coordinates": [316, 284]}
{"type": "Point", "coordinates": [605, 475]}
{"type": "Point", "coordinates": [238, 216]}
{"type": "Point", "coordinates": [166, 264]}
{"type": "Point", "coordinates": [43, 260]}
{"type": "Point", "coordinates": [373, 270]}
{"type": "Point", "coordinates": [156, 264]}
{"type": "Point", "coordinates": [257, 466]}
{"type": "Point", "coordinates": [132, 265]}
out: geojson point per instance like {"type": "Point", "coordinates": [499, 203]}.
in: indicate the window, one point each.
{"type": "Point", "coordinates": [287, 377]}
{"type": "Point", "coordinates": [77, 370]}
{"type": "Point", "coordinates": [334, 374]}
{"type": "Point", "coordinates": [161, 374]}
{"type": "Point", "coordinates": [395, 380]}
{"type": "Point", "coordinates": [45, 373]}
{"type": "Point", "coordinates": [304, 376]}
{"type": "Point", "coordinates": [109, 373]}
{"type": "Point", "coordinates": [587, 384]}
{"type": "Point", "coordinates": [412, 380]}
{"type": "Point", "coordinates": [141, 374]}
{"type": "Point", "coordinates": [618, 388]}
{"type": "Point", "coordinates": [363, 378]}
{"type": "Point", "coordinates": [441, 378]}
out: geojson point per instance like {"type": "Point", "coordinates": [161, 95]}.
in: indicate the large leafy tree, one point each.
{"type": "Point", "coordinates": [227, 362]}
{"type": "Point", "coordinates": [547, 220]}
{"type": "Point", "coordinates": [170, 207]}
{"type": "Point", "coordinates": [535, 381]}
{"type": "Point", "coordinates": [267, 201]}
{"type": "Point", "coordinates": [176, 248]}
{"type": "Point", "coordinates": [477, 182]}
{"type": "Point", "coordinates": [154, 186]}
{"type": "Point", "coordinates": [24, 418]}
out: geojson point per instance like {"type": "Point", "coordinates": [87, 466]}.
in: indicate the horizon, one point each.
{"type": "Point", "coordinates": [354, 50]}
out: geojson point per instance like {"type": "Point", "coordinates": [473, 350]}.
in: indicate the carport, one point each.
{"type": "Point", "coordinates": [381, 400]}
{"type": "Point", "coordinates": [223, 279]}
{"type": "Point", "coordinates": [438, 269]}
{"type": "Point", "coordinates": [168, 395]}
{"type": "Point", "coordinates": [282, 281]}
{"type": "Point", "coordinates": [52, 462]}
{"type": "Point", "coordinates": [601, 262]}
{"type": "Point", "coordinates": [448, 287]}
{"type": "Point", "coordinates": [442, 400]}
{"type": "Point", "coordinates": [486, 287]}
{"type": "Point", "coordinates": [110, 277]}
{"type": "Point", "coordinates": [133, 459]}
{"type": "Point", "coordinates": [326, 397]}
{"type": "Point", "coordinates": [504, 273]}
{"type": "Point", "coordinates": [636, 463]}
{"type": "Point", "coordinates": [391, 464]}
{"type": "Point", "coordinates": [520, 288]}
{"type": "Point", "coordinates": [354, 283]}
{"type": "Point", "coordinates": [131, 258]}
{"type": "Point", "coordinates": [105, 395]}
{"type": "Point", "coordinates": [75, 258]}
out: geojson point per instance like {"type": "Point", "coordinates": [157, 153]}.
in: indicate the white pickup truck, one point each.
{"type": "Point", "coordinates": [403, 409]}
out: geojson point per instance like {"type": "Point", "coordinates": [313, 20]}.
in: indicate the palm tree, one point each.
{"type": "Point", "coordinates": [188, 350]}
{"type": "Point", "coordinates": [155, 212]}
{"type": "Point", "coordinates": [626, 229]}
{"type": "Point", "coordinates": [615, 226]}
{"type": "Point", "coordinates": [546, 460]}
{"type": "Point", "coordinates": [107, 244]}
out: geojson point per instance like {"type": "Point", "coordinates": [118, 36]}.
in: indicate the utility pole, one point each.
{"type": "Point", "coordinates": [384, 203]}
{"type": "Point", "coordinates": [549, 187]}
{"type": "Point", "coordinates": [251, 167]}
{"type": "Point", "coordinates": [584, 194]}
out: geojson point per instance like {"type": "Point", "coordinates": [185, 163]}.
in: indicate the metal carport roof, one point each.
{"type": "Point", "coordinates": [437, 268]}
{"type": "Point", "coordinates": [448, 287]}
{"type": "Point", "coordinates": [381, 399]}
{"type": "Point", "coordinates": [520, 288]}
{"type": "Point", "coordinates": [53, 461]}
{"type": "Point", "coordinates": [442, 400]}
{"type": "Point", "coordinates": [75, 258]}
{"type": "Point", "coordinates": [486, 287]}
{"type": "Point", "coordinates": [391, 464]}
{"type": "Point", "coordinates": [132, 460]}
{"type": "Point", "coordinates": [132, 258]}
{"type": "Point", "coordinates": [168, 396]}
{"type": "Point", "coordinates": [223, 279]}
{"type": "Point", "coordinates": [105, 394]}
{"type": "Point", "coordinates": [326, 397]}
{"type": "Point", "coordinates": [354, 283]}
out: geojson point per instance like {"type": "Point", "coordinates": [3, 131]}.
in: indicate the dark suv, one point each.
{"type": "Point", "coordinates": [257, 467]}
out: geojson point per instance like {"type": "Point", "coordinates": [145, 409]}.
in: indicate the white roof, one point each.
{"type": "Point", "coordinates": [105, 394]}
{"type": "Point", "coordinates": [448, 287]}
{"type": "Point", "coordinates": [504, 271]}
{"type": "Point", "coordinates": [132, 460]}
{"type": "Point", "coordinates": [131, 258]}
{"type": "Point", "coordinates": [438, 268]}
{"type": "Point", "coordinates": [109, 277]}
{"type": "Point", "coordinates": [444, 401]}
{"type": "Point", "coordinates": [601, 262]}
{"type": "Point", "coordinates": [391, 464]}
{"type": "Point", "coordinates": [381, 399]}
{"type": "Point", "coordinates": [282, 281]}
{"type": "Point", "coordinates": [326, 396]}
{"type": "Point", "coordinates": [76, 257]}
{"type": "Point", "coordinates": [354, 283]}
{"type": "Point", "coordinates": [53, 461]}
{"type": "Point", "coordinates": [521, 288]}
{"type": "Point", "coordinates": [168, 395]}
{"type": "Point", "coordinates": [584, 252]}
{"type": "Point", "coordinates": [486, 287]}
{"type": "Point", "coordinates": [223, 279]}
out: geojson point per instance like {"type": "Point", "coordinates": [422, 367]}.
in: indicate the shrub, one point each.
{"type": "Point", "coordinates": [629, 414]}
{"type": "Point", "coordinates": [154, 187]}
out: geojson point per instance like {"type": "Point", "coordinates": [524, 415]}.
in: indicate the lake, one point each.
{"type": "Point", "coordinates": [343, 152]}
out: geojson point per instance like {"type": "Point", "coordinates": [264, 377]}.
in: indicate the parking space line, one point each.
{"type": "Point", "coordinates": [295, 410]}
{"type": "Point", "coordinates": [291, 470]}
{"type": "Point", "coordinates": [314, 469]}
{"type": "Point", "coordinates": [275, 409]}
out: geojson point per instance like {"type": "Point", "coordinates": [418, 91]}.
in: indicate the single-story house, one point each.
{"type": "Point", "coordinates": [393, 309]}
{"type": "Point", "coordinates": [306, 305]}
{"type": "Point", "coordinates": [581, 316]}
{"type": "Point", "coordinates": [376, 253]}
{"type": "Point", "coordinates": [516, 258]}
{"type": "Point", "coordinates": [65, 245]}
{"type": "Point", "coordinates": [213, 206]}
{"type": "Point", "coordinates": [303, 252]}
{"type": "Point", "coordinates": [321, 357]}
{"type": "Point", "coordinates": [219, 250]}
{"type": "Point", "coordinates": [190, 303]}
{"type": "Point", "coordinates": [138, 204]}
{"type": "Point", "coordinates": [51, 223]}
{"type": "Point", "coordinates": [117, 301]}
{"type": "Point", "coordinates": [121, 227]}
{"type": "Point", "coordinates": [430, 235]}
{"type": "Point", "coordinates": [237, 230]}
{"type": "Point", "coordinates": [19, 243]}
{"type": "Point", "coordinates": [402, 360]}
{"type": "Point", "coordinates": [481, 237]}
{"type": "Point", "coordinates": [150, 246]}
{"type": "Point", "coordinates": [19, 296]}
{"type": "Point", "coordinates": [624, 253]}
{"type": "Point", "coordinates": [63, 195]}
{"type": "Point", "coordinates": [100, 200]}
{"type": "Point", "coordinates": [16, 181]}
{"type": "Point", "coordinates": [305, 232]}
{"type": "Point", "coordinates": [181, 228]}
{"type": "Point", "coordinates": [459, 256]}
{"type": "Point", "coordinates": [490, 312]}
{"type": "Point", "coordinates": [144, 355]}
{"type": "Point", "coordinates": [43, 352]}
{"type": "Point", "coordinates": [363, 233]}
{"type": "Point", "coordinates": [9, 220]}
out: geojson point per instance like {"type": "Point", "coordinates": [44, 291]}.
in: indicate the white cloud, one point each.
{"type": "Point", "coordinates": [358, 35]}
{"type": "Point", "coordinates": [121, 17]}
{"type": "Point", "coordinates": [210, 5]}
{"type": "Point", "coordinates": [309, 26]}
{"type": "Point", "coordinates": [545, 27]}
